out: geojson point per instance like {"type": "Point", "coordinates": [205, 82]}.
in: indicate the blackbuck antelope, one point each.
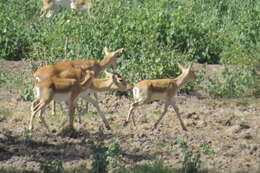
{"type": "Point", "coordinates": [66, 89]}
{"type": "Point", "coordinates": [51, 70]}
{"type": "Point", "coordinates": [97, 67]}
{"type": "Point", "coordinates": [49, 6]}
{"type": "Point", "coordinates": [160, 89]}
{"type": "Point", "coordinates": [114, 81]}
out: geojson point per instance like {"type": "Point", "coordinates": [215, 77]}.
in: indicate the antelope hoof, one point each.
{"type": "Point", "coordinates": [124, 123]}
{"type": "Point", "coordinates": [155, 126]}
{"type": "Point", "coordinates": [108, 127]}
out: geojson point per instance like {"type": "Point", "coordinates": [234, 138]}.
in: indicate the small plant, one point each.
{"type": "Point", "coordinates": [154, 167]}
{"type": "Point", "coordinates": [4, 113]}
{"type": "Point", "coordinates": [5, 79]}
{"type": "Point", "coordinates": [160, 143]}
{"type": "Point", "coordinates": [52, 166]}
{"type": "Point", "coordinates": [207, 149]}
{"type": "Point", "coordinates": [27, 133]}
{"type": "Point", "coordinates": [113, 154]}
{"type": "Point", "coordinates": [190, 161]}
{"type": "Point", "coordinates": [99, 159]}
{"type": "Point", "coordinates": [26, 92]}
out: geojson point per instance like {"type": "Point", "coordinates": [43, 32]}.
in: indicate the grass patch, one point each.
{"type": "Point", "coordinates": [5, 79]}
{"type": "Point", "coordinates": [159, 143]}
{"type": "Point", "coordinates": [5, 113]}
{"type": "Point", "coordinates": [89, 115]}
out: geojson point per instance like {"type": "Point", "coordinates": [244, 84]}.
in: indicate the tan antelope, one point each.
{"type": "Point", "coordinates": [66, 86]}
{"type": "Point", "coordinates": [52, 70]}
{"type": "Point", "coordinates": [113, 81]}
{"type": "Point", "coordinates": [160, 89]}
{"type": "Point", "coordinates": [49, 6]}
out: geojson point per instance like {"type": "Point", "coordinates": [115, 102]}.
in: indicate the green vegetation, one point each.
{"type": "Point", "coordinates": [5, 113]}
{"type": "Point", "coordinates": [207, 149]}
{"type": "Point", "coordinates": [191, 162]}
{"type": "Point", "coordinates": [52, 166]}
{"type": "Point", "coordinates": [156, 167]}
{"type": "Point", "coordinates": [155, 34]}
{"type": "Point", "coordinates": [5, 79]}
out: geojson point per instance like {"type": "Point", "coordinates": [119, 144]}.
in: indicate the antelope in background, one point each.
{"type": "Point", "coordinates": [49, 6]}
{"type": "Point", "coordinates": [160, 89]}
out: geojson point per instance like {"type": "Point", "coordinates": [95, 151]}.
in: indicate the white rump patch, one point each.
{"type": "Point", "coordinates": [136, 92]}
{"type": "Point", "coordinates": [38, 79]}
{"type": "Point", "coordinates": [73, 5]}
{"type": "Point", "coordinates": [36, 92]}
{"type": "Point", "coordinates": [64, 3]}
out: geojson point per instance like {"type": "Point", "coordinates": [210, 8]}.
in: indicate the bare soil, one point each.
{"type": "Point", "coordinates": [230, 127]}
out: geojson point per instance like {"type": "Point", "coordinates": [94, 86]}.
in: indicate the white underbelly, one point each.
{"type": "Point", "coordinates": [60, 97]}
{"type": "Point", "coordinates": [159, 96]}
{"type": "Point", "coordinates": [64, 3]}
{"type": "Point", "coordinates": [86, 93]}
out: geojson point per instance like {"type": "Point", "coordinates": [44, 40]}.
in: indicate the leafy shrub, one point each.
{"type": "Point", "coordinates": [112, 153]}
{"type": "Point", "coordinates": [26, 92]}
{"type": "Point", "coordinates": [156, 34]}
{"type": "Point", "coordinates": [15, 17]}
{"type": "Point", "coordinates": [191, 162]}
{"type": "Point", "coordinates": [99, 163]}
{"type": "Point", "coordinates": [235, 82]}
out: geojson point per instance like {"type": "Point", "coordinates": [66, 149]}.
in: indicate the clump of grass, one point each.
{"type": "Point", "coordinates": [155, 167]}
{"type": "Point", "coordinates": [5, 113]}
{"type": "Point", "coordinates": [5, 79]}
{"type": "Point", "coordinates": [191, 162]}
{"type": "Point", "coordinates": [52, 166]}
{"type": "Point", "coordinates": [207, 149]}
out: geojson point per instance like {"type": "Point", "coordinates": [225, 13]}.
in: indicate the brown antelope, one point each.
{"type": "Point", "coordinates": [49, 6]}
{"type": "Point", "coordinates": [160, 89]}
{"type": "Point", "coordinates": [113, 81]}
{"type": "Point", "coordinates": [60, 89]}
{"type": "Point", "coordinates": [52, 70]}
{"type": "Point", "coordinates": [97, 67]}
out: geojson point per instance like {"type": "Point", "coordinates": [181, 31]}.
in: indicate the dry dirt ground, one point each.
{"type": "Point", "coordinates": [230, 128]}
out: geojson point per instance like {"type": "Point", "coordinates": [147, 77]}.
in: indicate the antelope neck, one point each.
{"type": "Point", "coordinates": [106, 61]}
{"type": "Point", "coordinates": [182, 79]}
{"type": "Point", "coordinates": [102, 84]}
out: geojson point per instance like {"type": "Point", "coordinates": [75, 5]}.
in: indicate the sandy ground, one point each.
{"type": "Point", "coordinates": [229, 127]}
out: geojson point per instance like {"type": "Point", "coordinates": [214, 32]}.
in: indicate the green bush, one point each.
{"type": "Point", "coordinates": [191, 162]}
{"type": "Point", "coordinates": [236, 81]}
{"type": "Point", "coordinates": [155, 34]}
{"type": "Point", "coordinates": [16, 16]}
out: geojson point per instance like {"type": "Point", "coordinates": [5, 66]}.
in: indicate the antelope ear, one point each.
{"type": "Point", "coordinates": [106, 51]}
{"type": "Point", "coordinates": [108, 75]}
{"type": "Point", "coordinates": [119, 50]}
{"type": "Point", "coordinates": [180, 66]}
